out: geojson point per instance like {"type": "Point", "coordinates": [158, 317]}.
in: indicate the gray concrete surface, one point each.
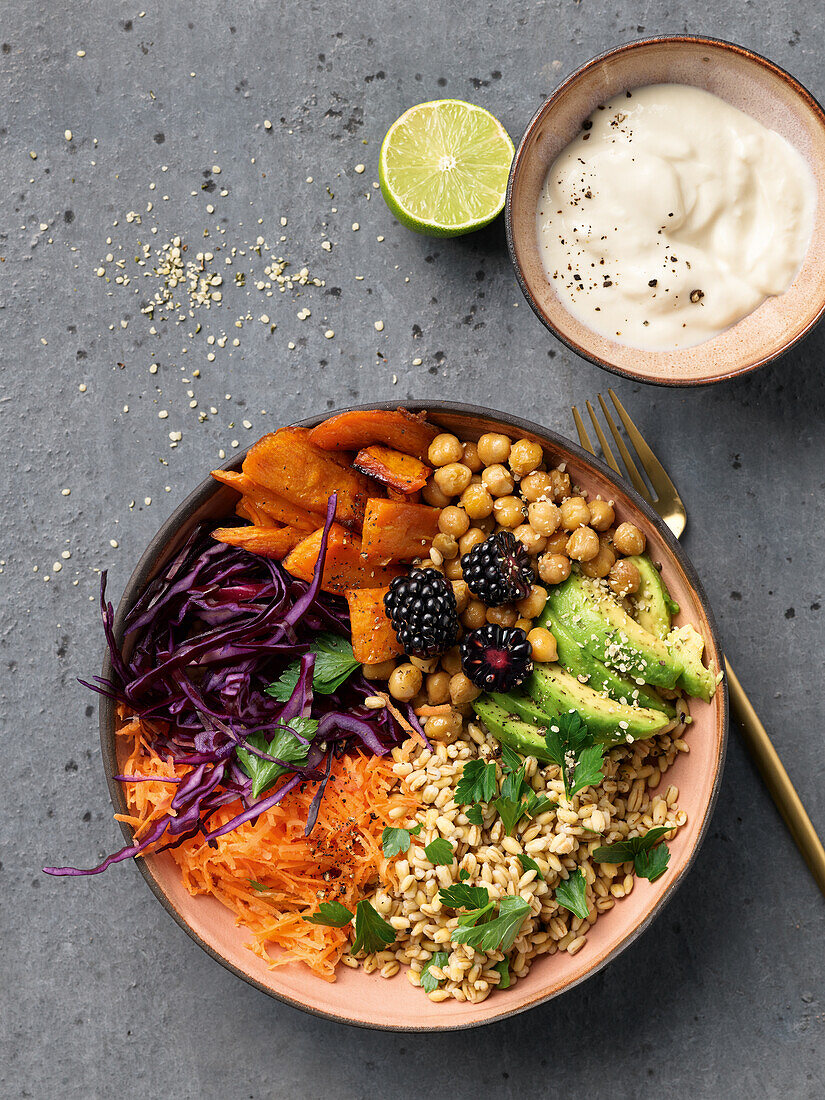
{"type": "Point", "coordinates": [103, 996]}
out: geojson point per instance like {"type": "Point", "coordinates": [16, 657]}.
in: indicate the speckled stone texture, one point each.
{"type": "Point", "coordinates": [103, 995]}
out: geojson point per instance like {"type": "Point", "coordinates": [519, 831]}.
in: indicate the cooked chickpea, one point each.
{"type": "Point", "coordinates": [544, 517]}
{"type": "Point", "coordinates": [444, 449]}
{"type": "Point", "coordinates": [554, 568]}
{"type": "Point", "coordinates": [453, 478]}
{"type": "Point", "coordinates": [505, 615]}
{"type": "Point", "coordinates": [574, 513]}
{"type": "Point", "coordinates": [443, 727]}
{"type": "Point", "coordinates": [434, 496]}
{"type": "Point", "coordinates": [453, 521]}
{"type": "Point", "coordinates": [557, 543]}
{"type": "Point", "coordinates": [452, 569]}
{"type": "Point", "coordinates": [624, 577]}
{"type": "Point", "coordinates": [381, 671]}
{"type": "Point", "coordinates": [451, 661]}
{"type": "Point", "coordinates": [462, 595]}
{"type": "Point", "coordinates": [471, 539]}
{"type": "Point", "coordinates": [628, 539]}
{"type": "Point", "coordinates": [583, 544]}
{"type": "Point", "coordinates": [475, 615]}
{"type": "Point", "coordinates": [405, 682]}
{"type": "Point", "coordinates": [498, 480]}
{"type": "Point", "coordinates": [601, 515]}
{"type": "Point", "coordinates": [543, 644]}
{"type": "Point", "coordinates": [487, 524]}
{"type": "Point", "coordinates": [438, 687]}
{"type": "Point", "coordinates": [533, 603]}
{"type": "Point", "coordinates": [493, 447]}
{"type": "Point", "coordinates": [509, 511]}
{"type": "Point", "coordinates": [425, 664]}
{"type": "Point", "coordinates": [560, 485]}
{"type": "Point", "coordinates": [525, 456]}
{"type": "Point", "coordinates": [462, 690]}
{"type": "Point", "coordinates": [446, 546]}
{"type": "Point", "coordinates": [530, 539]}
{"type": "Point", "coordinates": [524, 624]}
{"type": "Point", "coordinates": [471, 457]}
{"type": "Point", "coordinates": [476, 501]}
{"type": "Point", "coordinates": [536, 485]}
{"type": "Point", "coordinates": [601, 565]}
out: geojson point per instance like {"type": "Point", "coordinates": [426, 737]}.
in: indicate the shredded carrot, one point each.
{"type": "Point", "coordinates": [267, 872]}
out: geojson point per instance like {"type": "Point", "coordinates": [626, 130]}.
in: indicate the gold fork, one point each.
{"type": "Point", "coordinates": [668, 504]}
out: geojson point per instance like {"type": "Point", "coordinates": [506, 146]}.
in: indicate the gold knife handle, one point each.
{"type": "Point", "coordinates": [776, 779]}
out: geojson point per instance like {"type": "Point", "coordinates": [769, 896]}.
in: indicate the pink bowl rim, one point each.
{"type": "Point", "coordinates": [146, 568]}
{"type": "Point", "coordinates": [675, 39]}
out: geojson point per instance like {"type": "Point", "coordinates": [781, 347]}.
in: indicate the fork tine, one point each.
{"type": "Point", "coordinates": [653, 467]}
{"type": "Point", "coordinates": [605, 446]}
{"type": "Point", "coordinates": [633, 472]}
{"type": "Point", "coordinates": [584, 439]}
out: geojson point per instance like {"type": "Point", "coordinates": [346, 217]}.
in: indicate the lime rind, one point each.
{"type": "Point", "coordinates": [444, 167]}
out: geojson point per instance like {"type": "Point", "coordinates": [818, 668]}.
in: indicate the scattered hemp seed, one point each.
{"type": "Point", "coordinates": [379, 326]}
{"type": "Point", "coordinates": [81, 53]}
{"type": "Point", "coordinates": [355, 227]}
{"type": "Point", "coordinates": [417, 362]}
{"type": "Point", "coordinates": [56, 566]}
{"type": "Point", "coordinates": [114, 544]}
{"type": "Point", "coordinates": [360, 168]}
{"type": "Point", "coordinates": [327, 246]}
{"type": "Point", "coordinates": [82, 387]}
{"type": "Point", "coordinates": [329, 333]}
{"type": "Point", "coordinates": [66, 492]}
{"type": "Point", "coordinates": [67, 134]}
{"type": "Point", "coordinates": [267, 124]}
{"type": "Point", "coordinates": [163, 414]}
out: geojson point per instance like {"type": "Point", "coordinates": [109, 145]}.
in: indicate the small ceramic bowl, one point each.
{"type": "Point", "coordinates": [368, 999]}
{"type": "Point", "coordinates": [748, 82]}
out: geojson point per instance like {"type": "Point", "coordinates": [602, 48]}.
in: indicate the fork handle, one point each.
{"type": "Point", "coordinates": [776, 779]}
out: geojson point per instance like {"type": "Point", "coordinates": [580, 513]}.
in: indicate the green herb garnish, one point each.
{"type": "Point", "coordinates": [428, 981]}
{"type": "Point", "coordinates": [334, 663]}
{"type": "Point", "coordinates": [284, 745]}
{"type": "Point", "coordinates": [394, 841]}
{"type": "Point", "coordinates": [571, 747]}
{"type": "Point", "coordinates": [570, 893]}
{"type": "Point", "coordinates": [498, 934]}
{"type": "Point", "coordinates": [330, 913]}
{"type": "Point", "coordinates": [650, 859]}
{"type": "Point", "coordinates": [529, 864]}
{"type": "Point", "coordinates": [475, 815]}
{"type": "Point", "coordinates": [477, 783]}
{"type": "Point", "coordinates": [439, 852]}
{"type": "Point", "coordinates": [504, 969]}
{"type": "Point", "coordinates": [372, 933]}
{"type": "Point", "coordinates": [462, 896]}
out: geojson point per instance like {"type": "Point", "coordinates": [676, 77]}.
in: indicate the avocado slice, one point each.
{"type": "Point", "coordinates": [510, 729]}
{"type": "Point", "coordinates": [555, 691]}
{"type": "Point", "coordinates": [653, 604]}
{"type": "Point", "coordinates": [598, 622]}
{"type": "Point", "coordinates": [575, 658]}
{"type": "Point", "coordinates": [696, 680]}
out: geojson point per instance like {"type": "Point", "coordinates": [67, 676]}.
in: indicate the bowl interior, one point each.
{"type": "Point", "coordinates": [744, 80]}
{"type": "Point", "coordinates": [367, 999]}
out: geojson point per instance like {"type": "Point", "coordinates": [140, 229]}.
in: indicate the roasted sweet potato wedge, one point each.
{"type": "Point", "coordinates": [345, 566]}
{"type": "Point", "coordinates": [373, 638]}
{"type": "Point", "coordinates": [273, 506]}
{"type": "Point", "coordinates": [397, 428]}
{"type": "Point", "coordinates": [397, 471]}
{"type": "Point", "coordinates": [287, 463]}
{"type": "Point", "coordinates": [396, 531]}
{"type": "Point", "coordinates": [268, 542]}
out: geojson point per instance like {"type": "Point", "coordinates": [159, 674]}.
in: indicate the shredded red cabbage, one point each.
{"type": "Point", "coordinates": [207, 637]}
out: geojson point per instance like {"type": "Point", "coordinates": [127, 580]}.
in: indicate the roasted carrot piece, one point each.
{"type": "Point", "coordinates": [275, 507]}
{"type": "Point", "coordinates": [397, 428]}
{"type": "Point", "coordinates": [345, 566]}
{"type": "Point", "coordinates": [268, 542]}
{"type": "Point", "coordinates": [288, 464]}
{"type": "Point", "coordinates": [247, 510]}
{"type": "Point", "coordinates": [398, 532]}
{"type": "Point", "coordinates": [392, 468]}
{"type": "Point", "coordinates": [373, 638]}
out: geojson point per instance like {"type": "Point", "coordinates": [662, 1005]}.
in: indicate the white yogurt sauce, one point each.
{"type": "Point", "coordinates": [671, 216]}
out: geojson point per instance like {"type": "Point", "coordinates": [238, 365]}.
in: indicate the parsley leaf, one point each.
{"type": "Point", "coordinates": [395, 841]}
{"type": "Point", "coordinates": [650, 859]}
{"type": "Point", "coordinates": [439, 852]}
{"type": "Point", "coordinates": [504, 969]}
{"type": "Point", "coordinates": [477, 783]}
{"type": "Point", "coordinates": [284, 745]}
{"type": "Point", "coordinates": [510, 812]}
{"type": "Point", "coordinates": [330, 913]}
{"type": "Point", "coordinates": [653, 863]}
{"type": "Point", "coordinates": [372, 933]}
{"type": "Point", "coordinates": [475, 815]}
{"type": "Point", "coordinates": [462, 896]}
{"type": "Point", "coordinates": [572, 749]}
{"type": "Point", "coordinates": [510, 759]}
{"type": "Point", "coordinates": [571, 894]}
{"type": "Point", "coordinates": [512, 785]}
{"type": "Point", "coordinates": [334, 663]}
{"type": "Point", "coordinates": [498, 934]}
{"type": "Point", "coordinates": [529, 864]}
{"type": "Point", "coordinates": [429, 982]}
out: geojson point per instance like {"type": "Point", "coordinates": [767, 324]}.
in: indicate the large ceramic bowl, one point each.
{"type": "Point", "coordinates": [747, 81]}
{"type": "Point", "coordinates": [368, 999]}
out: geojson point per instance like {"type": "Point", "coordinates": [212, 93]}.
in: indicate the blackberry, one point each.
{"type": "Point", "coordinates": [422, 608]}
{"type": "Point", "coordinates": [498, 570]}
{"type": "Point", "coordinates": [496, 658]}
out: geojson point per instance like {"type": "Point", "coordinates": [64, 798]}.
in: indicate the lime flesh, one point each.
{"type": "Point", "coordinates": [444, 168]}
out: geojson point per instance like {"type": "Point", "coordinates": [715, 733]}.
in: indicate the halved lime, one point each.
{"type": "Point", "coordinates": [444, 167]}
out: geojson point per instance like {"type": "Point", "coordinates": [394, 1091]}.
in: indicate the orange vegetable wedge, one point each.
{"type": "Point", "coordinates": [264, 500]}
{"type": "Point", "coordinates": [397, 471]}
{"type": "Point", "coordinates": [268, 542]}
{"type": "Point", "coordinates": [287, 463]}
{"type": "Point", "coordinates": [373, 638]}
{"type": "Point", "coordinates": [397, 428]}
{"type": "Point", "coordinates": [345, 566]}
{"type": "Point", "coordinates": [395, 531]}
